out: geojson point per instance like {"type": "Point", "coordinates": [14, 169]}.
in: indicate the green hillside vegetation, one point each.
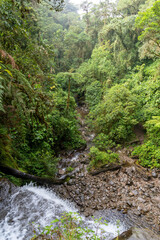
{"type": "Point", "coordinates": [51, 60]}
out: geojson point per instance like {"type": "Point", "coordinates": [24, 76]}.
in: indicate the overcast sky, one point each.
{"type": "Point", "coordinates": [78, 2]}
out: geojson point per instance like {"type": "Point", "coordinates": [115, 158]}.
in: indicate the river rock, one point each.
{"type": "Point", "coordinates": [138, 234]}
{"type": "Point", "coordinates": [154, 174]}
{"type": "Point", "coordinates": [6, 188]}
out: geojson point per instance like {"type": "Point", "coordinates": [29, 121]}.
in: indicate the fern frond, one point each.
{"type": "Point", "coordinates": [155, 121]}
{"type": "Point", "coordinates": [6, 56]}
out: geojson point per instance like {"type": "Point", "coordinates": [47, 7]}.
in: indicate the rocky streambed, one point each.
{"type": "Point", "coordinates": [131, 189]}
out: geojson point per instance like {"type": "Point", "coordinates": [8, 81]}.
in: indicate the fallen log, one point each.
{"type": "Point", "coordinates": [16, 173]}
{"type": "Point", "coordinates": [112, 167]}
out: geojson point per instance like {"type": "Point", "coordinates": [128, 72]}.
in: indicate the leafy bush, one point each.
{"type": "Point", "coordinates": [115, 115]}
{"type": "Point", "coordinates": [103, 143]}
{"type": "Point", "coordinates": [148, 21]}
{"type": "Point", "coordinates": [149, 155]}
{"type": "Point", "coordinates": [69, 227]}
{"type": "Point", "coordinates": [70, 169]}
{"type": "Point", "coordinates": [149, 152]}
{"type": "Point", "coordinates": [153, 129]}
{"type": "Point", "coordinates": [99, 158]}
{"type": "Point", "coordinates": [93, 93]}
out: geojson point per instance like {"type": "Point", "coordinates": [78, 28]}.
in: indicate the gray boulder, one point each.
{"type": "Point", "coordinates": [138, 234]}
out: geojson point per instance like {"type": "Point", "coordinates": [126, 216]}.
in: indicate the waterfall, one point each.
{"type": "Point", "coordinates": [40, 205]}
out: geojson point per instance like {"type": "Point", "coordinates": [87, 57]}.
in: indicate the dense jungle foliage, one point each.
{"type": "Point", "coordinates": [51, 60]}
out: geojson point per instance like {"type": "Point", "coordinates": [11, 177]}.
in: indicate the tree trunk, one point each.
{"type": "Point", "coordinates": [26, 176]}
{"type": "Point", "coordinates": [69, 89]}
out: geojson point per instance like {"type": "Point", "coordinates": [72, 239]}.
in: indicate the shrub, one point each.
{"type": "Point", "coordinates": [99, 158]}
{"type": "Point", "coordinates": [115, 116]}
{"type": "Point", "coordinates": [149, 155]}
{"type": "Point", "coordinates": [103, 143]}
{"type": "Point", "coordinates": [149, 152]}
{"type": "Point", "coordinates": [93, 93]}
{"type": "Point", "coordinates": [68, 227]}
{"type": "Point", "coordinates": [70, 169]}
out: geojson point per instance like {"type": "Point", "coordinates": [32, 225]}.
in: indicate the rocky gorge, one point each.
{"type": "Point", "coordinates": [124, 191]}
{"type": "Point", "coordinates": [128, 188]}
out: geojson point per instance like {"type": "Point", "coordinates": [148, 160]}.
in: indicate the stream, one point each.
{"type": "Point", "coordinates": [41, 205]}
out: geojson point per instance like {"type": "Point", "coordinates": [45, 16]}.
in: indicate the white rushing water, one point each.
{"type": "Point", "coordinates": [40, 205]}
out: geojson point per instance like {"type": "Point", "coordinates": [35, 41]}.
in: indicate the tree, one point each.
{"type": "Point", "coordinates": [55, 4]}
{"type": "Point", "coordinates": [122, 36]}
{"type": "Point", "coordinates": [115, 114]}
{"type": "Point", "coordinates": [149, 22]}
{"type": "Point", "coordinates": [34, 124]}
{"type": "Point", "coordinates": [96, 15]}
{"type": "Point", "coordinates": [129, 7]}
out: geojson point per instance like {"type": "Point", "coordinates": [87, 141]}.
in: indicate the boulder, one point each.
{"type": "Point", "coordinates": [138, 234]}
{"type": "Point", "coordinates": [6, 189]}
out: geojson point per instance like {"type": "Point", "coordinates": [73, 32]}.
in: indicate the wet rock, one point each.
{"type": "Point", "coordinates": [6, 188]}
{"type": "Point", "coordinates": [61, 172]}
{"type": "Point", "coordinates": [135, 192]}
{"type": "Point", "coordinates": [129, 182]}
{"type": "Point", "coordinates": [88, 212]}
{"type": "Point", "coordinates": [84, 161]}
{"type": "Point", "coordinates": [70, 182]}
{"type": "Point", "coordinates": [130, 171]}
{"type": "Point", "coordinates": [111, 182]}
{"type": "Point", "coordinates": [77, 192]}
{"type": "Point", "coordinates": [154, 174]}
{"type": "Point", "coordinates": [129, 203]}
{"type": "Point", "coordinates": [141, 200]}
{"type": "Point", "coordinates": [151, 185]}
{"type": "Point", "coordinates": [138, 234]}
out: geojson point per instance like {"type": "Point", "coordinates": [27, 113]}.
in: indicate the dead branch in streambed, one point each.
{"type": "Point", "coordinates": [18, 174]}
